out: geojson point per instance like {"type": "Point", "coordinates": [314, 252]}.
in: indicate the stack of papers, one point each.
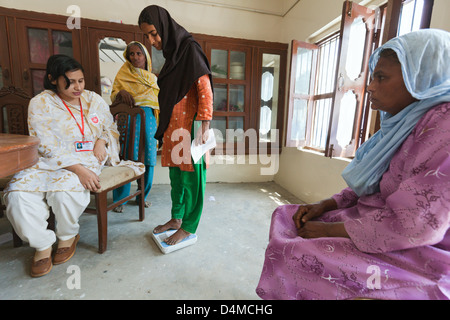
{"type": "Point", "coordinates": [197, 151]}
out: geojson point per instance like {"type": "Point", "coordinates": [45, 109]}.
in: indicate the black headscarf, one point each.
{"type": "Point", "coordinates": [185, 62]}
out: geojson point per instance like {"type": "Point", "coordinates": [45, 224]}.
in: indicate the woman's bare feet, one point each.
{"type": "Point", "coordinates": [172, 224]}
{"type": "Point", "coordinates": [177, 237]}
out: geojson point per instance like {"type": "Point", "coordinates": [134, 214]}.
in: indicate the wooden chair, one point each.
{"type": "Point", "coordinates": [14, 110]}
{"type": "Point", "coordinates": [13, 119]}
{"type": "Point", "coordinates": [113, 177]}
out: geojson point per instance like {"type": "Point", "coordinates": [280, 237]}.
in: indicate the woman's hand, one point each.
{"type": "Point", "coordinates": [307, 212]}
{"type": "Point", "coordinates": [100, 150]}
{"type": "Point", "coordinates": [318, 229]}
{"type": "Point", "coordinates": [203, 134]}
{"type": "Point", "coordinates": [89, 180]}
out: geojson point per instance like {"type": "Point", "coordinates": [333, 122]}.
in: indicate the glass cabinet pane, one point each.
{"type": "Point", "coordinates": [62, 43]}
{"type": "Point", "coordinates": [219, 63]}
{"type": "Point", "coordinates": [236, 123]}
{"type": "Point", "coordinates": [236, 98]}
{"type": "Point", "coordinates": [219, 124]}
{"type": "Point", "coordinates": [39, 46]}
{"type": "Point", "coordinates": [220, 97]}
{"type": "Point", "coordinates": [237, 65]}
{"type": "Point", "coordinates": [37, 77]}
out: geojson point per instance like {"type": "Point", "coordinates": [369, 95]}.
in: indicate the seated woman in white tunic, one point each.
{"type": "Point", "coordinates": [77, 136]}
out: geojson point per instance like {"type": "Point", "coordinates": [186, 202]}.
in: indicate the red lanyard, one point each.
{"type": "Point", "coordinates": [82, 118]}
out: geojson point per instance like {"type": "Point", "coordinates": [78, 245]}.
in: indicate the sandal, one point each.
{"type": "Point", "coordinates": [118, 209]}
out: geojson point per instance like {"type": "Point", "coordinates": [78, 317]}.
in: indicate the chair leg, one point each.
{"type": "Point", "coordinates": [102, 220]}
{"type": "Point", "coordinates": [141, 186]}
{"type": "Point", "coordinates": [17, 242]}
{"type": "Point", "coordinates": [51, 221]}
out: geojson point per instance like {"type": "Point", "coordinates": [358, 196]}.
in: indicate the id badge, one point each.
{"type": "Point", "coordinates": [84, 146]}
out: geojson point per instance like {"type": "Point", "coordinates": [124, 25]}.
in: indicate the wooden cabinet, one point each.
{"type": "Point", "coordinates": [249, 92]}
{"type": "Point", "coordinates": [32, 37]}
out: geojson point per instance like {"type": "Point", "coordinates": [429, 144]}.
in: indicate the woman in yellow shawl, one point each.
{"type": "Point", "coordinates": [137, 86]}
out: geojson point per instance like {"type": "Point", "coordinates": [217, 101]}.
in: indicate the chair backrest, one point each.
{"type": "Point", "coordinates": [14, 110]}
{"type": "Point", "coordinates": [127, 119]}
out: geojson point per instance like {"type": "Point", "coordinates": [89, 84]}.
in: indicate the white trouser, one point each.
{"type": "Point", "coordinates": [28, 213]}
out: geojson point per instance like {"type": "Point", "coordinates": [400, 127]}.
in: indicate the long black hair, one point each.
{"type": "Point", "coordinates": [57, 66]}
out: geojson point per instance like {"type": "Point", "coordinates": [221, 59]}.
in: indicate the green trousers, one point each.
{"type": "Point", "coordinates": [188, 193]}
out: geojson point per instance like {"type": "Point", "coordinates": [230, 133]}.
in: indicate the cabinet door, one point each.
{"type": "Point", "coordinates": [231, 70]}
{"type": "Point", "coordinates": [5, 63]}
{"type": "Point", "coordinates": [38, 41]}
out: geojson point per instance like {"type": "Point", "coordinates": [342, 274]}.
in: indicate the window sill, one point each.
{"type": "Point", "coordinates": [318, 153]}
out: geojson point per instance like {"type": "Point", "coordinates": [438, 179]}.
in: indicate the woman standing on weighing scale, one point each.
{"type": "Point", "coordinates": [185, 96]}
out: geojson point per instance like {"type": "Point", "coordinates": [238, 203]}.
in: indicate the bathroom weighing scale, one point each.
{"type": "Point", "coordinates": [165, 248]}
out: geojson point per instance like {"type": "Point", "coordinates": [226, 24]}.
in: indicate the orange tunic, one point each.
{"type": "Point", "coordinates": [199, 100]}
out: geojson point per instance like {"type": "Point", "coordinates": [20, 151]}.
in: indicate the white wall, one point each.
{"type": "Point", "coordinates": [441, 12]}
{"type": "Point", "coordinates": [194, 17]}
{"type": "Point", "coordinates": [309, 176]}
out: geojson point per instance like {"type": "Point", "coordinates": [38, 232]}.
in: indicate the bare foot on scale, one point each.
{"type": "Point", "coordinates": [177, 237]}
{"type": "Point", "coordinates": [172, 224]}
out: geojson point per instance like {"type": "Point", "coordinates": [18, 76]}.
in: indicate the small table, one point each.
{"type": "Point", "coordinates": [17, 152]}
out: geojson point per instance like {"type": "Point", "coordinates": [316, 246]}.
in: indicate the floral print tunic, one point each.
{"type": "Point", "coordinates": [52, 123]}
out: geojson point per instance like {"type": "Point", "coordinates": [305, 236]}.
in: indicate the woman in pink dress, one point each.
{"type": "Point", "coordinates": [387, 235]}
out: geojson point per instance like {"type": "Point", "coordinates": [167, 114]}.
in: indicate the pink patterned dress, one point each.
{"type": "Point", "coordinates": [399, 246]}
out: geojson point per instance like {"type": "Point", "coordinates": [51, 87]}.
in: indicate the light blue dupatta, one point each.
{"type": "Point", "coordinates": [425, 61]}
